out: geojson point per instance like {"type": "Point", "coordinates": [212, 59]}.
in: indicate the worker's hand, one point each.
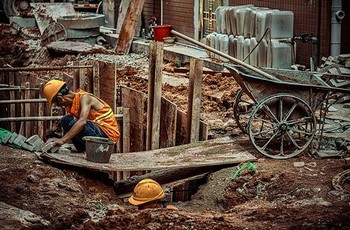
{"type": "Point", "coordinates": [57, 141]}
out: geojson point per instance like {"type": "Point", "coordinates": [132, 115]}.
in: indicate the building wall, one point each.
{"type": "Point", "coordinates": [310, 17]}
{"type": "Point", "coordinates": [177, 13]}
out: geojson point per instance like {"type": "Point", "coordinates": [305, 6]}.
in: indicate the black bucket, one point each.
{"type": "Point", "coordinates": [98, 149]}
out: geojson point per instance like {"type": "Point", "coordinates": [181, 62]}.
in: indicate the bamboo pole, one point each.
{"type": "Point", "coordinates": [224, 55]}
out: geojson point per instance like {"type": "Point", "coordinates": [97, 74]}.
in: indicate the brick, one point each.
{"type": "Point", "coordinates": [12, 138]}
{"type": "Point", "coordinates": [6, 138]}
{"type": "Point", "coordinates": [63, 150]}
{"type": "Point", "coordinates": [19, 140]}
{"type": "Point", "coordinates": [38, 145]}
{"type": "Point", "coordinates": [47, 147]}
{"type": "Point", "coordinates": [54, 149]}
{"type": "Point", "coordinates": [31, 140]}
{"type": "Point", "coordinates": [28, 147]}
{"type": "Point", "coordinates": [36, 142]}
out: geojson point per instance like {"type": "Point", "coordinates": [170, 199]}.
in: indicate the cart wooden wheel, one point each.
{"type": "Point", "coordinates": [242, 108]}
{"type": "Point", "coordinates": [281, 126]}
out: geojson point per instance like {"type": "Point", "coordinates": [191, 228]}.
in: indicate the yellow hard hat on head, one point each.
{"type": "Point", "coordinates": [145, 191]}
{"type": "Point", "coordinates": [51, 88]}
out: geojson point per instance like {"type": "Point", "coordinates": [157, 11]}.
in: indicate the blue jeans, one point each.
{"type": "Point", "coordinates": [90, 129]}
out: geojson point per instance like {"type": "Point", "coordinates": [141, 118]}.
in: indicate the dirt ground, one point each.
{"type": "Point", "coordinates": [277, 195]}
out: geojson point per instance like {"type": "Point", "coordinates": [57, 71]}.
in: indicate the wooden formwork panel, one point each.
{"type": "Point", "coordinates": [136, 102]}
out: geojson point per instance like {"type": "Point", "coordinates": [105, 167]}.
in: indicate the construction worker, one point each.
{"type": "Point", "coordinates": [87, 115]}
{"type": "Point", "coordinates": [147, 194]}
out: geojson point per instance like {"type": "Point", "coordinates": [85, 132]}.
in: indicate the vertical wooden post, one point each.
{"type": "Point", "coordinates": [28, 126]}
{"type": "Point", "coordinates": [126, 130]}
{"type": "Point", "coordinates": [168, 116]}
{"type": "Point", "coordinates": [76, 77]}
{"type": "Point", "coordinates": [12, 97]}
{"type": "Point", "coordinates": [22, 95]}
{"type": "Point", "coordinates": [154, 95]}
{"type": "Point", "coordinates": [41, 109]}
{"type": "Point", "coordinates": [195, 96]}
{"type": "Point", "coordinates": [96, 79]}
{"type": "Point", "coordinates": [107, 82]}
{"type": "Point", "coordinates": [83, 79]}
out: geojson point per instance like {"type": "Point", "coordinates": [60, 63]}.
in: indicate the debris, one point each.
{"type": "Point", "coordinates": [53, 32]}
{"type": "Point", "coordinates": [70, 47]}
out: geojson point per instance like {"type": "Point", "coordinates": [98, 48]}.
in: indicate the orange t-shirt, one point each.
{"type": "Point", "coordinates": [104, 118]}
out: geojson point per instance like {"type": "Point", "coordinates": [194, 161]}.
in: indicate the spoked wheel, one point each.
{"type": "Point", "coordinates": [281, 126]}
{"type": "Point", "coordinates": [242, 108]}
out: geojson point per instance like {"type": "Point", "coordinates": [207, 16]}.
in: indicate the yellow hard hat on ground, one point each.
{"type": "Point", "coordinates": [51, 88]}
{"type": "Point", "coordinates": [145, 191]}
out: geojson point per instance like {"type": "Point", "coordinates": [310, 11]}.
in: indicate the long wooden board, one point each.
{"type": "Point", "coordinates": [221, 151]}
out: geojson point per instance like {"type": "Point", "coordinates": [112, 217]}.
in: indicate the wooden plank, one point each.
{"type": "Point", "coordinates": [83, 79]}
{"type": "Point", "coordinates": [165, 176]}
{"type": "Point", "coordinates": [76, 76]}
{"type": "Point", "coordinates": [128, 28]}
{"type": "Point", "coordinates": [203, 131]}
{"type": "Point", "coordinates": [135, 101]}
{"type": "Point", "coordinates": [12, 97]}
{"type": "Point", "coordinates": [151, 79]}
{"type": "Point", "coordinates": [41, 109]}
{"type": "Point", "coordinates": [154, 95]}
{"type": "Point", "coordinates": [126, 130]}
{"type": "Point", "coordinates": [28, 125]}
{"type": "Point", "coordinates": [194, 98]}
{"type": "Point", "coordinates": [168, 124]}
{"type": "Point", "coordinates": [157, 96]}
{"type": "Point", "coordinates": [21, 107]}
{"type": "Point", "coordinates": [108, 83]}
{"type": "Point", "coordinates": [123, 8]}
{"type": "Point", "coordinates": [221, 151]}
{"type": "Point", "coordinates": [96, 79]}
{"type": "Point", "coordinates": [182, 130]}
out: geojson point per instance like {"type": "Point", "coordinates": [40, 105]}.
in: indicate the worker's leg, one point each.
{"type": "Point", "coordinates": [90, 129]}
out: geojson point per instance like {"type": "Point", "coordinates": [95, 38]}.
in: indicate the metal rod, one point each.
{"type": "Point", "coordinates": [43, 118]}
{"type": "Point", "coordinates": [18, 89]}
{"type": "Point", "coordinates": [225, 55]}
{"type": "Point", "coordinates": [19, 119]}
{"type": "Point", "coordinates": [41, 100]}
{"type": "Point", "coordinates": [43, 68]}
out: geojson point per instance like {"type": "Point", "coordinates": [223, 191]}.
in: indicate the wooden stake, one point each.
{"type": "Point", "coordinates": [194, 99]}
{"type": "Point", "coordinates": [154, 95]}
{"type": "Point", "coordinates": [126, 130]}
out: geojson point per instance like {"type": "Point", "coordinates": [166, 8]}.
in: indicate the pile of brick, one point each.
{"type": "Point", "coordinates": [335, 65]}
{"type": "Point", "coordinates": [32, 144]}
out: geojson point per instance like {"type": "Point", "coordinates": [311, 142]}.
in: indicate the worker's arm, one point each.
{"type": "Point", "coordinates": [85, 105]}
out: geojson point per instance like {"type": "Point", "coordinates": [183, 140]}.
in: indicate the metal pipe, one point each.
{"type": "Point", "coordinates": [19, 119]}
{"type": "Point", "coordinates": [161, 12]}
{"type": "Point", "coordinates": [44, 118]}
{"type": "Point", "coordinates": [23, 101]}
{"type": "Point", "coordinates": [43, 68]}
{"type": "Point", "coordinates": [225, 55]}
{"type": "Point", "coordinates": [337, 15]}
